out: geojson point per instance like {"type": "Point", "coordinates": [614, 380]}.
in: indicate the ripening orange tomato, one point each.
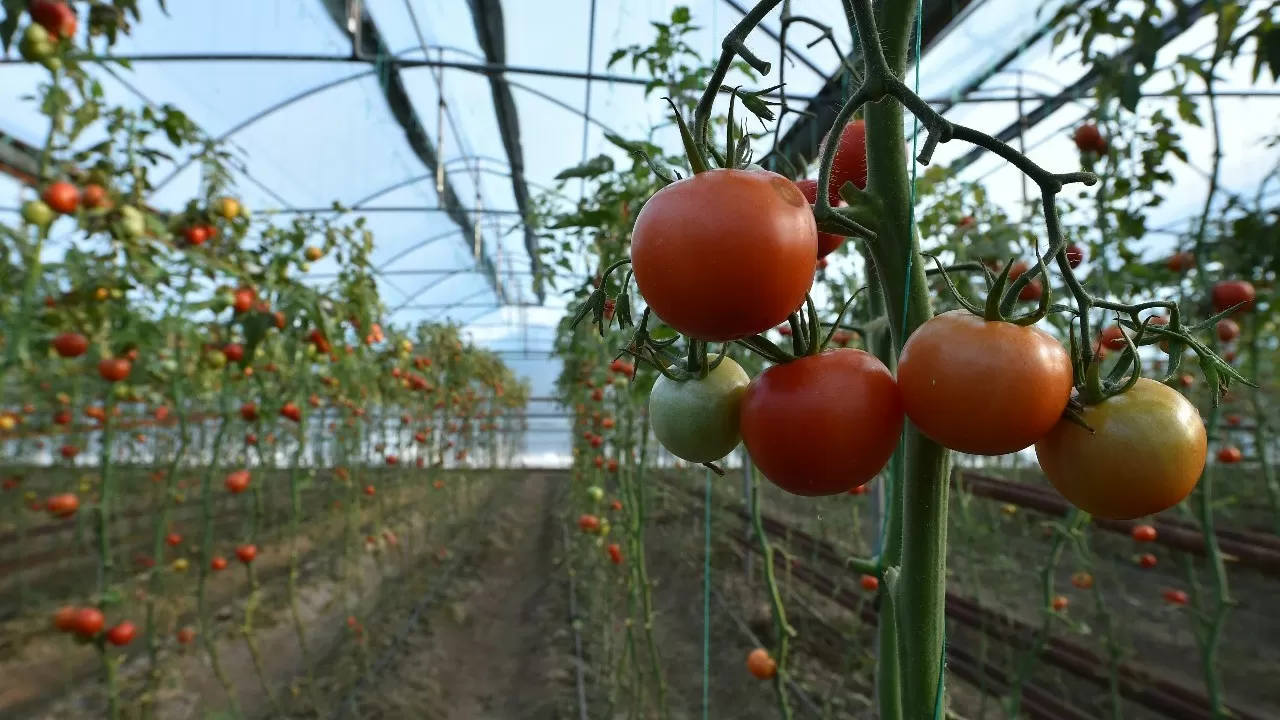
{"type": "Point", "coordinates": [948, 375]}
{"type": "Point", "coordinates": [760, 665]}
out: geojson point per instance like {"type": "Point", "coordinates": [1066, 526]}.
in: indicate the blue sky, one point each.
{"type": "Point", "coordinates": [343, 145]}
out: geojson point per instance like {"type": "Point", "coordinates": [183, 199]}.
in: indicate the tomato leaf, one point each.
{"type": "Point", "coordinates": [595, 167]}
{"type": "Point", "coordinates": [12, 11]}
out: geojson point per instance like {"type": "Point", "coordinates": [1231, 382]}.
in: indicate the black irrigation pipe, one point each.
{"type": "Point", "coordinates": [433, 593]}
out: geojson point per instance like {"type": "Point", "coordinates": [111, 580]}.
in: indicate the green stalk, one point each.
{"type": "Point", "coordinates": [781, 630]}
{"type": "Point", "coordinates": [1261, 439]}
{"type": "Point", "coordinates": [646, 587]}
{"type": "Point", "coordinates": [104, 551]}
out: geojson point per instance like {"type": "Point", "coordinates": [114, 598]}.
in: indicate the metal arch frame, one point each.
{"type": "Point", "coordinates": [462, 303]}
{"type": "Point", "coordinates": [416, 247]}
{"type": "Point", "coordinates": [428, 287]}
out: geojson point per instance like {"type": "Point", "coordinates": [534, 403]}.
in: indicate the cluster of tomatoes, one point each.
{"type": "Point", "coordinates": [86, 623]}
{"type": "Point", "coordinates": [829, 421]}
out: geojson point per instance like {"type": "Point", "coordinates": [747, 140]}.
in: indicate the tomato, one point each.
{"type": "Point", "coordinates": [122, 634]}
{"type": "Point", "coordinates": [65, 618]}
{"type": "Point", "coordinates": [237, 482]}
{"type": "Point", "coordinates": [725, 254]}
{"type": "Point", "coordinates": [1032, 290]}
{"type": "Point", "coordinates": [824, 423]}
{"type": "Point", "coordinates": [243, 299]}
{"type": "Point", "coordinates": [1230, 293]}
{"type": "Point", "coordinates": [615, 553]}
{"type": "Point", "coordinates": [1075, 255]}
{"type": "Point", "coordinates": [615, 505]}
{"type": "Point", "coordinates": [1088, 139]}
{"type": "Point", "coordinates": [69, 345]}
{"type": "Point", "coordinates": [588, 523]}
{"type": "Point", "coordinates": [697, 420]}
{"type": "Point", "coordinates": [173, 539]}
{"type": "Point", "coordinates": [292, 412]}
{"type": "Point", "coordinates": [87, 622]}
{"type": "Point", "coordinates": [1145, 456]}
{"type": "Point", "coordinates": [250, 439]}
{"type": "Point", "coordinates": [195, 235]}
{"type": "Point", "coordinates": [63, 505]}
{"type": "Point", "coordinates": [185, 636]}
{"type": "Point", "coordinates": [114, 369]}
{"type": "Point", "coordinates": [218, 563]}
{"type": "Point", "coordinates": [233, 352]}
{"type": "Point", "coordinates": [37, 212]}
{"type": "Point", "coordinates": [55, 16]}
{"type": "Point", "coordinates": [370, 490]}
{"type": "Point", "coordinates": [69, 451]}
{"type": "Point", "coordinates": [1175, 597]}
{"type": "Point", "coordinates": [1234, 420]}
{"type": "Point", "coordinates": [827, 242]}
{"type": "Point", "coordinates": [1147, 560]}
{"type": "Point", "coordinates": [1181, 262]}
{"type": "Point", "coordinates": [229, 208]}
{"type": "Point", "coordinates": [760, 665]}
{"type": "Point", "coordinates": [94, 196]}
{"type": "Point", "coordinates": [246, 553]}
{"type": "Point", "coordinates": [870, 583]}
{"type": "Point", "coordinates": [850, 164]}
{"type": "Point", "coordinates": [1060, 603]}
{"type": "Point", "coordinates": [62, 417]}
{"type": "Point", "coordinates": [1081, 580]}
{"type": "Point", "coordinates": [249, 411]}
{"type": "Point", "coordinates": [1228, 330]}
{"type": "Point", "coordinates": [983, 388]}
{"type": "Point", "coordinates": [1112, 338]}
{"type": "Point", "coordinates": [1143, 533]}
{"type": "Point", "coordinates": [1230, 455]}
{"type": "Point", "coordinates": [1186, 381]}
{"type": "Point", "coordinates": [62, 197]}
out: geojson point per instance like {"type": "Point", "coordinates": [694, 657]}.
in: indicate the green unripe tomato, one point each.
{"type": "Point", "coordinates": [215, 359]}
{"type": "Point", "coordinates": [305, 267]}
{"type": "Point", "coordinates": [132, 222]}
{"type": "Point", "coordinates": [697, 420]}
{"type": "Point", "coordinates": [37, 213]}
{"type": "Point", "coordinates": [122, 391]}
{"type": "Point", "coordinates": [36, 35]}
{"type": "Point", "coordinates": [52, 63]}
{"type": "Point", "coordinates": [595, 493]}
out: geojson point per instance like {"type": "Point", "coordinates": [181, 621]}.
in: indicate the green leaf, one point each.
{"type": "Point", "coordinates": [680, 15]}
{"type": "Point", "coordinates": [12, 11]}
{"type": "Point", "coordinates": [1131, 90]}
{"type": "Point", "coordinates": [615, 57]}
{"type": "Point", "coordinates": [595, 167]}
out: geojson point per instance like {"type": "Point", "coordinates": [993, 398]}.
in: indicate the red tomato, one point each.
{"type": "Point", "coordinates": [249, 411]}
{"type": "Point", "coordinates": [1230, 293]}
{"type": "Point", "coordinates": [1032, 290]}
{"type": "Point", "coordinates": [218, 563]}
{"type": "Point", "coordinates": [760, 665]}
{"type": "Point", "coordinates": [87, 622]}
{"type": "Point", "coordinates": [173, 539]}
{"type": "Point", "coordinates": [1060, 603]}
{"type": "Point", "coordinates": [1230, 455]}
{"type": "Point", "coordinates": [870, 583]}
{"type": "Point", "coordinates": [1081, 580]}
{"type": "Point", "coordinates": [850, 164]}
{"type": "Point", "coordinates": [588, 523]}
{"type": "Point", "coordinates": [122, 634]}
{"type": "Point", "coordinates": [1228, 330]}
{"type": "Point", "coordinates": [246, 553]}
{"type": "Point", "coordinates": [69, 451]}
{"type": "Point", "coordinates": [1089, 139]}
{"type": "Point", "coordinates": [69, 345]}
{"type": "Point", "coordinates": [370, 490]}
{"type": "Point", "coordinates": [196, 235]}
{"type": "Point", "coordinates": [114, 369]}
{"type": "Point", "coordinates": [946, 376]}
{"type": "Point", "coordinates": [1143, 533]}
{"type": "Point", "coordinates": [55, 16]}
{"type": "Point", "coordinates": [827, 242]}
{"type": "Point", "coordinates": [1181, 262]}
{"type": "Point", "coordinates": [63, 505]}
{"type": "Point", "coordinates": [822, 424]}
{"type": "Point", "coordinates": [95, 196]}
{"type": "Point", "coordinates": [615, 553]}
{"type": "Point", "coordinates": [237, 482]}
{"type": "Point", "coordinates": [1147, 560]}
{"type": "Point", "coordinates": [233, 352]}
{"type": "Point", "coordinates": [291, 412]}
{"type": "Point", "coordinates": [1113, 337]}
{"type": "Point", "coordinates": [186, 635]}
{"type": "Point", "coordinates": [62, 196]}
{"type": "Point", "coordinates": [1175, 597]}
{"type": "Point", "coordinates": [1075, 255]}
{"type": "Point", "coordinates": [244, 299]}
{"type": "Point", "coordinates": [1234, 420]}
{"type": "Point", "coordinates": [65, 618]}
{"type": "Point", "coordinates": [725, 254]}
{"type": "Point", "coordinates": [62, 417]}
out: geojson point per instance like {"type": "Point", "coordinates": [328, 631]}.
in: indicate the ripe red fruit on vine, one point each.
{"type": "Point", "coordinates": [1174, 597]}
{"type": "Point", "coordinates": [233, 352]}
{"type": "Point", "coordinates": [1230, 293]}
{"type": "Point", "coordinates": [122, 634]}
{"type": "Point", "coordinates": [612, 465]}
{"type": "Point", "coordinates": [1075, 255]}
{"type": "Point", "coordinates": [1234, 420]}
{"type": "Point", "coordinates": [69, 345]}
{"type": "Point", "coordinates": [1186, 381]}
{"type": "Point", "coordinates": [250, 439]}
{"type": "Point", "coordinates": [291, 412]}
{"type": "Point", "coordinates": [1113, 337]}
{"type": "Point", "coordinates": [1089, 138]}
{"type": "Point", "coordinates": [185, 636]}
{"type": "Point", "coordinates": [1228, 330]}
{"type": "Point", "coordinates": [1147, 560]}
{"type": "Point", "coordinates": [69, 451]}
{"type": "Point", "coordinates": [370, 490]}
{"type": "Point", "coordinates": [54, 16]}
{"type": "Point", "coordinates": [63, 505]}
{"type": "Point", "coordinates": [1060, 603]}
{"type": "Point", "coordinates": [249, 411]}
{"type": "Point", "coordinates": [87, 622]}
{"type": "Point", "coordinates": [870, 583]}
{"type": "Point", "coordinates": [173, 539]}
{"type": "Point", "coordinates": [827, 242]}
{"type": "Point", "coordinates": [588, 523]}
{"type": "Point", "coordinates": [1081, 580]}
{"type": "Point", "coordinates": [62, 417]}
{"type": "Point", "coordinates": [62, 197]}
{"type": "Point", "coordinates": [822, 424]}
{"type": "Point", "coordinates": [760, 665]}
{"type": "Point", "coordinates": [243, 299]}
{"type": "Point", "coordinates": [1181, 262]}
{"type": "Point", "coordinates": [1032, 290]}
{"type": "Point", "coordinates": [944, 375]}
{"type": "Point", "coordinates": [725, 254]}
{"type": "Point", "coordinates": [218, 563]}
{"type": "Point", "coordinates": [196, 235]}
{"type": "Point", "coordinates": [1143, 533]}
{"type": "Point", "coordinates": [1230, 455]}
{"type": "Point", "coordinates": [237, 482]}
{"type": "Point", "coordinates": [850, 164]}
{"type": "Point", "coordinates": [114, 369]}
{"type": "Point", "coordinates": [616, 505]}
{"type": "Point", "coordinates": [246, 553]}
{"type": "Point", "coordinates": [615, 553]}
{"type": "Point", "coordinates": [65, 618]}
{"type": "Point", "coordinates": [94, 196]}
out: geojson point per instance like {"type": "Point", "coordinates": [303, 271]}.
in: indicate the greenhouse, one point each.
{"type": "Point", "coordinates": [671, 359]}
